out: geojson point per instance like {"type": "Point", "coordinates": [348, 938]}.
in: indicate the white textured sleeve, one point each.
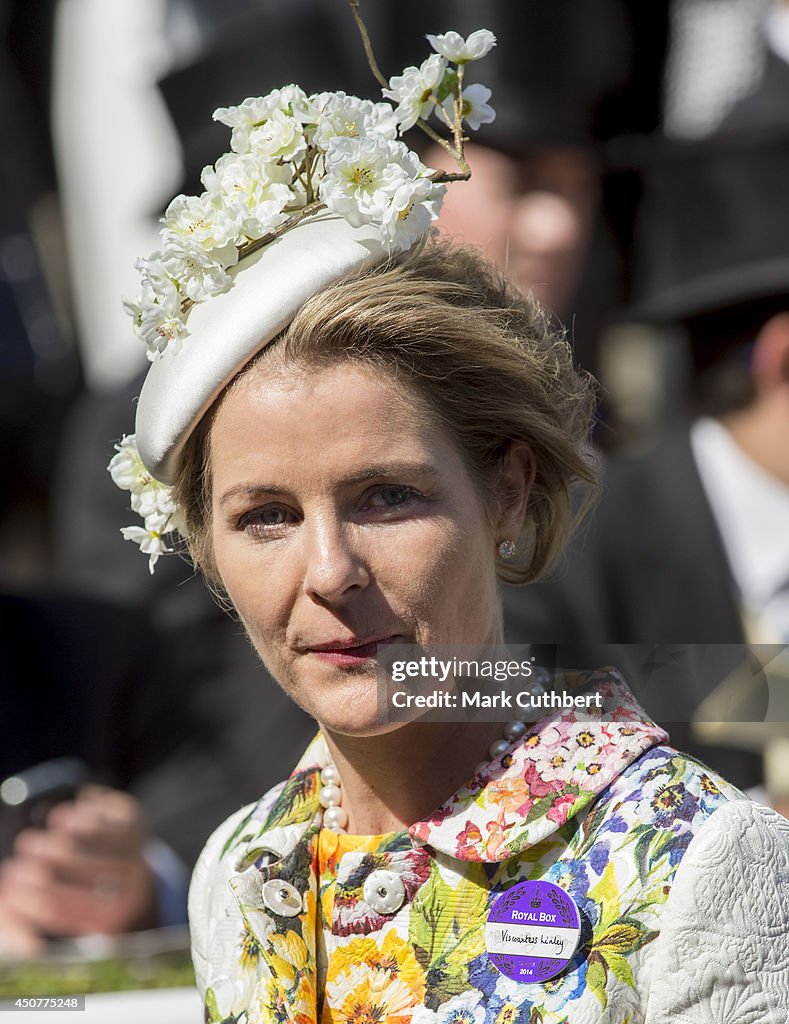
{"type": "Point", "coordinates": [722, 956]}
{"type": "Point", "coordinates": [208, 889]}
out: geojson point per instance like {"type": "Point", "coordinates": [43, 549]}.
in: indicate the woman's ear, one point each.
{"type": "Point", "coordinates": [518, 469]}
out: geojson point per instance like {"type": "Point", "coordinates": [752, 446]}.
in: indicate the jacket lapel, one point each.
{"type": "Point", "coordinates": [278, 948]}
{"type": "Point", "coordinates": [559, 767]}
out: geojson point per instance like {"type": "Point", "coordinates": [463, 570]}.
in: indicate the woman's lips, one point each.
{"type": "Point", "coordinates": [350, 652]}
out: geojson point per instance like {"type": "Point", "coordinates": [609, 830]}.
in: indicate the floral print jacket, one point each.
{"type": "Point", "coordinates": [681, 883]}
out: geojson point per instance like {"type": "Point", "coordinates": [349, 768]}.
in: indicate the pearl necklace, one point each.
{"type": "Point", "coordinates": [330, 796]}
{"type": "Point", "coordinates": [335, 817]}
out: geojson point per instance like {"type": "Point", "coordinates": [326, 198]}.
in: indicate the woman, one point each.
{"type": "Point", "coordinates": [355, 444]}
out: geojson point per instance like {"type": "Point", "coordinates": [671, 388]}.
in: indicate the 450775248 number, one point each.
{"type": "Point", "coordinates": [43, 1003]}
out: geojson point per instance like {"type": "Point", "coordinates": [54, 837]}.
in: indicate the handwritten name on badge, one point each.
{"type": "Point", "coordinates": [532, 931]}
{"type": "Point", "coordinates": [521, 938]}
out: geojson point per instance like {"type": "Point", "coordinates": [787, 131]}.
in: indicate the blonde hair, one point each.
{"type": "Point", "coordinates": [487, 363]}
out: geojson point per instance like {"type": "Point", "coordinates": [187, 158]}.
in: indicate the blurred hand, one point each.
{"type": "Point", "coordinates": [83, 874]}
{"type": "Point", "coordinates": [18, 939]}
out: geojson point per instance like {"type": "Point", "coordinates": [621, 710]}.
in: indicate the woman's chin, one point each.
{"type": "Point", "coordinates": [358, 728]}
{"type": "Point", "coordinates": [358, 716]}
{"type": "Point", "coordinates": [349, 701]}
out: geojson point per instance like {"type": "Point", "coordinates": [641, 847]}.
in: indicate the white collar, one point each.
{"type": "Point", "coordinates": [751, 508]}
{"type": "Point", "coordinates": [776, 30]}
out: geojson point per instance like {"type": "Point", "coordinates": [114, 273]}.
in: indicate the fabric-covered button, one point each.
{"type": "Point", "coordinates": [384, 891]}
{"type": "Point", "coordinates": [282, 898]}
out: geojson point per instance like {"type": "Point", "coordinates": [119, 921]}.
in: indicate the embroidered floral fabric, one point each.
{"type": "Point", "coordinates": [601, 808]}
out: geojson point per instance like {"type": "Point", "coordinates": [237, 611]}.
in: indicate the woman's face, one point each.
{"type": "Point", "coordinates": [343, 517]}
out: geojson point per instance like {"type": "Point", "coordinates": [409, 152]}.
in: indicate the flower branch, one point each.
{"type": "Point", "coordinates": [286, 225]}
{"type": "Point", "coordinates": [426, 90]}
{"type": "Point", "coordinates": [367, 44]}
{"type": "Point", "coordinates": [457, 128]}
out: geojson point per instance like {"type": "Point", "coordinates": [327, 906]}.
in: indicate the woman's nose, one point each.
{"type": "Point", "coordinates": [334, 569]}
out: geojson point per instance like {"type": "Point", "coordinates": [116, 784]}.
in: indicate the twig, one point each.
{"type": "Point", "coordinates": [458, 157]}
{"type": "Point", "coordinates": [433, 134]}
{"type": "Point", "coordinates": [440, 177]}
{"type": "Point", "coordinates": [456, 151]}
{"type": "Point", "coordinates": [458, 107]}
{"type": "Point", "coordinates": [308, 157]}
{"type": "Point", "coordinates": [286, 225]}
{"type": "Point", "coordinates": [368, 46]}
{"type": "Point", "coordinates": [258, 243]}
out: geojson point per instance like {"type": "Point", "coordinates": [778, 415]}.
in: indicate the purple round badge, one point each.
{"type": "Point", "coordinates": [532, 931]}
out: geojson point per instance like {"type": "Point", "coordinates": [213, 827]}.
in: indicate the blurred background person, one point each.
{"type": "Point", "coordinates": [689, 543]}
{"type": "Point", "coordinates": [91, 714]}
{"type": "Point", "coordinates": [566, 79]}
{"type": "Point", "coordinates": [701, 515]}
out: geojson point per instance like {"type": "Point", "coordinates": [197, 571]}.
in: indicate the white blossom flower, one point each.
{"type": "Point", "coordinates": [292, 100]}
{"type": "Point", "coordinates": [415, 203]}
{"type": "Point", "coordinates": [279, 137]}
{"type": "Point", "coordinates": [149, 496]}
{"type": "Point", "coordinates": [359, 180]}
{"type": "Point", "coordinates": [151, 499]}
{"type": "Point", "coordinates": [150, 538]}
{"type": "Point", "coordinates": [156, 499]}
{"type": "Point", "coordinates": [126, 467]}
{"type": "Point", "coordinates": [476, 110]}
{"type": "Point", "coordinates": [362, 176]}
{"type": "Point", "coordinates": [157, 285]}
{"type": "Point", "coordinates": [454, 47]}
{"type": "Point", "coordinates": [160, 331]}
{"type": "Point", "coordinates": [205, 219]}
{"type": "Point", "coordinates": [412, 91]}
{"type": "Point", "coordinates": [253, 190]}
{"type": "Point", "coordinates": [343, 115]}
{"type": "Point", "coordinates": [255, 111]}
{"type": "Point", "coordinates": [157, 310]}
{"type": "Point", "coordinates": [200, 274]}
{"type": "Point", "coordinates": [373, 180]}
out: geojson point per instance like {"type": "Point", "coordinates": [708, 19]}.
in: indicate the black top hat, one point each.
{"type": "Point", "coordinates": [711, 237]}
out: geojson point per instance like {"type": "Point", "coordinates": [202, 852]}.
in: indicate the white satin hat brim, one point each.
{"type": "Point", "coordinates": [226, 331]}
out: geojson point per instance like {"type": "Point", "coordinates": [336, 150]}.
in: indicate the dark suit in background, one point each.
{"type": "Point", "coordinates": [648, 567]}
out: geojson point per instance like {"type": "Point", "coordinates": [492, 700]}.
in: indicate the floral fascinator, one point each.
{"type": "Point", "coordinates": [314, 186]}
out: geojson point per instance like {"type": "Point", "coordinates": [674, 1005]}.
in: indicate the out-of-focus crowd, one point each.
{"type": "Point", "coordinates": [635, 180]}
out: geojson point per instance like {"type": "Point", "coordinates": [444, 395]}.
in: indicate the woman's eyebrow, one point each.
{"type": "Point", "coordinates": [390, 470]}
{"type": "Point", "coordinates": [252, 491]}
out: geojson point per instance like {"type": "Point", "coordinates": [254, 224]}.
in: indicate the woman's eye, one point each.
{"type": "Point", "coordinates": [264, 520]}
{"type": "Point", "coordinates": [391, 496]}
